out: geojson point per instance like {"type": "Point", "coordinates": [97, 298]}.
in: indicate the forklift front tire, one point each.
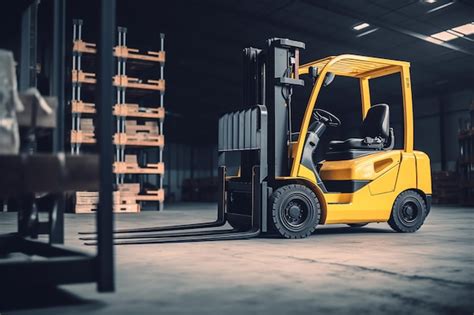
{"type": "Point", "coordinates": [408, 213]}
{"type": "Point", "coordinates": [295, 211]}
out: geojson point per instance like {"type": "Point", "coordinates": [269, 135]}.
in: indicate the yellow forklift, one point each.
{"type": "Point", "coordinates": [269, 180]}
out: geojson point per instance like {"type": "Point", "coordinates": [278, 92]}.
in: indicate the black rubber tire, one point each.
{"type": "Point", "coordinates": [357, 225]}
{"type": "Point", "coordinates": [297, 203]}
{"type": "Point", "coordinates": [408, 212]}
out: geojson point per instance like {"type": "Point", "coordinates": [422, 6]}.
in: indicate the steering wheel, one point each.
{"type": "Point", "coordinates": [326, 117]}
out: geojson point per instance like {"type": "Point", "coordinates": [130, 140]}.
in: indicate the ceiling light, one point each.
{"type": "Point", "coordinates": [441, 7]}
{"type": "Point", "coordinates": [445, 36]}
{"type": "Point", "coordinates": [367, 32]}
{"type": "Point", "coordinates": [360, 26]}
{"type": "Point", "coordinates": [455, 33]}
{"type": "Point", "coordinates": [466, 29]}
{"type": "Point", "coordinates": [433, 40]}
{"type": "Point", "coordinates": [428, 1]}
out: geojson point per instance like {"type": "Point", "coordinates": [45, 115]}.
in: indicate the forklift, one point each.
{"type": "Point", "coordinates": [269, 179]}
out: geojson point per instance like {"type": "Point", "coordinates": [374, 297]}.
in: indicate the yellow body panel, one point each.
{"type": "Point", "coordinates": [366, 167]}
{"type": "Point", "coordinates": [306, 173]}
{"type": "Point", "coordinates": [423, 172]}
{"type": "Point", "coordinates": [373, 202]}
{"type": "Point", "coordinates": [386, 183]}
{"type": "Point", "coordinates": [362, 207]}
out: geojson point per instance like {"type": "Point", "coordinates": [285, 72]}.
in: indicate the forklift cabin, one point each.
{"type": "Point", "coordinates": [269, 181]}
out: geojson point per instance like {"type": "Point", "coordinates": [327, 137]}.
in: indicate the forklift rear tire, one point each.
{"type": "Point", "coordinates": [295, 211]}
{"type": "Point", "coordinates": [408, 213]}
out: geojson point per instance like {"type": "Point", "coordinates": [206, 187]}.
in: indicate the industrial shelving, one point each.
{"type": "Point", "coordinates": [79, 107]}
{"type": "Point", "coordinates": [466, 160]}
{"type": "Point", "coordinates": [139, 127]}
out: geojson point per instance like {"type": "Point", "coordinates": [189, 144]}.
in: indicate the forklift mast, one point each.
{"type": "Point", "coordinates": [269, 77]}
{"type": "Point", "coordinates": [255, 139]}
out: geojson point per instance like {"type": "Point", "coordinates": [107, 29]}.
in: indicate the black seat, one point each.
{"type": "Point", "coordinates": [376, 132]}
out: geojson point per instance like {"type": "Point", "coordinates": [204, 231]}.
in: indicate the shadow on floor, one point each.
{"type": "Point", "coordinates": [351, 230]}
{"type": "Point", "coordinates": [38, 298]}
{"type": "Point", "coordinates": [337, 231]}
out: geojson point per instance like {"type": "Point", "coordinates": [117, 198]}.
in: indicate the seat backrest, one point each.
{"type": "Point", "coordinates": [376, 122]}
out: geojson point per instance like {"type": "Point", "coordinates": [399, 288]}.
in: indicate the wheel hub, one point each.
{"type": "Point", "coordinates": [409, 212]}
{"type": "Point", "coordinates": [295, 213]}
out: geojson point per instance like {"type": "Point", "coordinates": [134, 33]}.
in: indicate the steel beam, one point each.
{"type": "Point", "coordinates": [105, 97]}
{"type": "Point", "coordinates": [58, 75]}
{"type": "Point", "coordinates": [29, 34]}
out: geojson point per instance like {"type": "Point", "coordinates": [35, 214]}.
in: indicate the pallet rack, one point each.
{"type": "Point", "coordinates": [138, 127]}
{"type": "Point", "coordinates": [79, 77]}
{"type": "Point", "coordinates": [466, 159]}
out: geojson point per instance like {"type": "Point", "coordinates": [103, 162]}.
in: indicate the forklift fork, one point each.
{"type": "Point", "coordinates": [220, 221]}
{"type": "Point", "coordinates": [258, 206]}
{"type": "Point", "coordinates": [240, 131]}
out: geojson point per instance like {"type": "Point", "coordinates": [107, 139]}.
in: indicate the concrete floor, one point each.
{"type": "Point", "coordinates": [339, 270]}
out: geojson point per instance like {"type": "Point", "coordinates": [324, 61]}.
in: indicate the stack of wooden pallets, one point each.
{"type": "Point", "coordinates": [125, 199]}
{"type": "Point", "coordinates": [87, 201]}
{"type": "Point", "coordinates": [445, 187]}
{"type": "Point", "coordinates": [86, 133]}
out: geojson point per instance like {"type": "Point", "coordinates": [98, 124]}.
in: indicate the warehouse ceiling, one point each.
{"type": "Point", "coordinates": [204, 40]}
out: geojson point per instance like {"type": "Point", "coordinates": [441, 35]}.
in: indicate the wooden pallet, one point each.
{"type": "Point", "coordinates": [134, 168]}
{"type": "Point", "coordinates": [79, 76]}
{"type": "Point", "coordinates": [87, 125]}
{"type": "Point", "coordinates": [90, 197]}
{"type": "Point", "coordinates": [466, 133]}
{"type": "Point", "coordinates": [124, 201]}
{"type": "Point", "coordinates": [133, 128]}
{"type": "Point", "coordinates": [132, 188]}
{"type": "Point", "coordinates": [129, 191]}
{"type": "Point", "coordinates": [87, 198]}
{"type": "Point", "coordinates": [83, 77]}
{"type": "Point", "coordinates": [127, 208]}
{"type": "Point", "coordinates": [131, 158]}
{"type": "Point", "coordinates": [131, 53]}
{"type": "Point", "coordinates": [139, 140]}
{"type": "Point", "coordinates": [80, 107]}
{"type": "Point", "coordinates": [84, 47]}
{"type": "Point", "coordinates": [121, 208]}
{"type": "Point", "coordinates": [82, 137]}
{"type": "Point", "coordinates": [120, 52]}
{"type": "Point", "coordinates": [129, 82]}
{"type": "Point", "coordinates": [130, 166]}
{"type": "Point", "coordinates": [134, 110]}
{"type": "Point", "coordinates": [446, 187]}
{"type": "Point", "coordinates": [152, 195]}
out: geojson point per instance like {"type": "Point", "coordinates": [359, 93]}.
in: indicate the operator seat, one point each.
{"type": "Point", "coordinates": [376, 132]}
